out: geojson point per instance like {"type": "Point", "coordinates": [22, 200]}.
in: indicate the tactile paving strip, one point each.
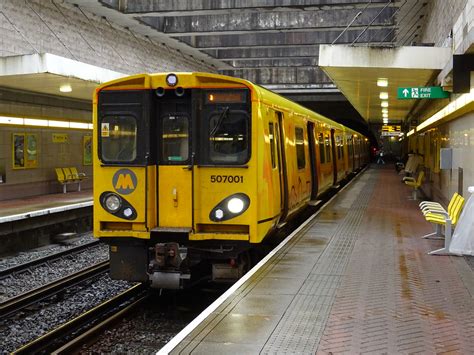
{"type": "Point", "coordinates": [300, 329]}
{"type": "Point", "coordinates": [394, 298]}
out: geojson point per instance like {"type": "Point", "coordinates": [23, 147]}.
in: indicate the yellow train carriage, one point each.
{"type": "Point", "coordinates": [194, 169]}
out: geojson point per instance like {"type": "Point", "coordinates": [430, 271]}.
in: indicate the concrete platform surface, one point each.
{"type": "Point", "coordinates": [355, 279]}
{"type": "Point", "coordinates": [12, 210]}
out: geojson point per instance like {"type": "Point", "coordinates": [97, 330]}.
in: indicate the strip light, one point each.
{"type": "Point", "coordinates": [23, 121]}
{"type": "Point", "coordinates": [455, 105]}
{"type": "Point", "coordinates": [410, 133]}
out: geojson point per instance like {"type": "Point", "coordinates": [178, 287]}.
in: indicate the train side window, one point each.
{"type": "Point", "coordinates": [272, 143]}
{"type": "Point", "coordinates": [299, 140]}
{"type": "Point", "coordinates": [322, 153]}
{"type": "Point", "coordinates": [350, 148]}
{"type": "Point", "coordinates": [339, 147]}
{"type": "Point", "coordinates": [175, 137]}
{"type": "Point", "coordinates": [118, 138]}
{"type": "Point", "coordinates": [229, 136]}
{"type": "Point", "coordinates": [327, 143]}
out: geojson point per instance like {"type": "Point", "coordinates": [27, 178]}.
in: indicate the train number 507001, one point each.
{"type": "Point", "coordinates": [227, 178]}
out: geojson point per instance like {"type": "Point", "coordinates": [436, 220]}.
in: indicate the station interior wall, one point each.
{"type": "Point", "coordinates": [41, 179]}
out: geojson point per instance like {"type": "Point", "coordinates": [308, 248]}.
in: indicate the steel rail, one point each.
{"type": "Point", "coordinates": [18, 303]}
{"type": "Point", "coordinates": [75, 344]}
{"type": "Point", "coordinates": [25, 266]}
{"type": "Point", "coordinates": [85, 320]}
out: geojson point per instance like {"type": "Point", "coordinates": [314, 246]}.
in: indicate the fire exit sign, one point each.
{"type": "Point", "coordinates": [426, 92]}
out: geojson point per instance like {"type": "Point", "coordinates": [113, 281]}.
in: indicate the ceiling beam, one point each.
{"type": "Point", "coordinates": [258, 53]}
{"type": "Point", "coordinates": [270, 63]}
{"type": "Point", "coordinates": [272, 22]}
{"type": "Point", "coordinates": [282, 39]}
{"type": "Point", "coordinates": [178, 8]}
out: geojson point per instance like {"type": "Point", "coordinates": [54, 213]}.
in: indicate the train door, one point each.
{"type": "Point", "coordinates": [312, 159]}
{"type": "Point", "coordinates": [334, 155]}
{"type": "Point", "coordinates": [175, 161]}
{"type": "Point", "coordinates": [282, 169]}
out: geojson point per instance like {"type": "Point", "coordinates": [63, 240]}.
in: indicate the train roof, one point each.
{"type": "Point", "coordinates": [197, 79]}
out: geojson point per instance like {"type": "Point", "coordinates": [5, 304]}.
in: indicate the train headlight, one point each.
{"type": "Point", "coordinates": [171, 79]}
{"type": "Point", "coordinates": [230, 207]}
{"type": "Point", "coordinates": [117, 205]}
{"type": "Point", "coordinates": [235, 205]}
{"type": "Point", "coordinates": [113, 203]}
{"type": "Point", "coordinates": [219, 213]}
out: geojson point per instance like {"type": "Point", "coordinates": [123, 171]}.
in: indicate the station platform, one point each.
{"type": "Point", "coordinates": [16, 209]}
{"type": "Point", "coordinates": [356, 278]}
{"type": "Point", "coordinates": [28, 223]}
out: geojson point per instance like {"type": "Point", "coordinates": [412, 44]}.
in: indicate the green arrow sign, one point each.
{"type": "Point", "coordinates": [427, 92]}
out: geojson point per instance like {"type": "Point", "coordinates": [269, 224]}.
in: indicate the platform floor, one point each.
{"type": "Point", "coordinates": [356, 279]}
{"type": "Point", "coordinates": [11, 210]}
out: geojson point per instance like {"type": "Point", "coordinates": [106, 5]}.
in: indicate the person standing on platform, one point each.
{"type": "Point", "coordinates": [380, 157]}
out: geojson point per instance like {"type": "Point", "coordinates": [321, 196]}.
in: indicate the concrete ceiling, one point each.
{"type": "Point", "coordinates": [356, 70]}
{"type": "Point", "coordinates": [274, 43]}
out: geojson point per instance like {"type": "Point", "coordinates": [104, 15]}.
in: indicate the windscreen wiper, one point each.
{"type": "Point", "coordinates": [219, 122]}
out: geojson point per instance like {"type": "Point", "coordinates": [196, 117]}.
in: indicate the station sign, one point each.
{"type": "Point", "coordinates": [391, 128]}
{"type": "Point", "coordinates": [427, 92]}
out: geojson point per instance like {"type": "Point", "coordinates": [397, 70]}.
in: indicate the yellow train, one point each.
{"type": "Point", "coordinates": [193, 170]}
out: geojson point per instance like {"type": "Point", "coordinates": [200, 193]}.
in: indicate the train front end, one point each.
{"type": "Point", "coordinates": [174, 181]}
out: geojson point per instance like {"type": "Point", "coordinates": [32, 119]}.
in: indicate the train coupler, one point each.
{"type": "Point", "coordinates": [165, 270]}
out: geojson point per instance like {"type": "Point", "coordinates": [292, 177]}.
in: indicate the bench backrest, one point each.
{"type": "Point", "coordinates": [453, 202]}
{"type": "Point", "coordinates": [60, 175]}
{"type": "Point", "coordinates": [74, 173]}
{"type": "Point", "coordinates": [68, 173]}
{"type": "Point", "coordinates": [412, 164]}
{"type": "Point", "coordinates": [421, 177]}
{"type": "Point", "coordinates": [456, 210]}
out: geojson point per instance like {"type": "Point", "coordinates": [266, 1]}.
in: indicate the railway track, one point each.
{"type": "Point", "coordinates": [72, 334]}
{"type": "Point", "coordinates": [47, 259]}
{"type": "Point", "coordinates": [19, 303]}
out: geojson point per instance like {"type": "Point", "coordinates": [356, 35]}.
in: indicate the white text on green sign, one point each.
{"type": "Point", "coordinates": [428, 92]}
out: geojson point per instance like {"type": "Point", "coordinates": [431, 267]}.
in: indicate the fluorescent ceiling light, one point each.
{"type": "Point", "coordinates": [35, 122]}
{"type": "Point", "coordinates": [383, 95]}
{"type": "Point", "coordinates": [65, 88]}
{"type": "Point", "coordinates": [382, 82]}
{"type": "Point", "coordinates": [62, 124]}
{"type": "Point", "coordinates": [385, 110]}
{"type": "Point", "coordinates": [384, 104]}
{"type": "Point", "coordinates": [11, 120]}
{"type": "Point", "coordinates": [79, 125]}
{"type": "Point", "coordinates": [20, 121]}
{"type": "Point", "coordinates": [455, 105]}
{"type": "Point", "coordinates": [385, 115]}
{"type": "Point", "coordinates": [410, 133]}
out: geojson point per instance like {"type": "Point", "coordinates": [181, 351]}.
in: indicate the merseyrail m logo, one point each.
{"type": "Point", "coordinates": [125, 181]}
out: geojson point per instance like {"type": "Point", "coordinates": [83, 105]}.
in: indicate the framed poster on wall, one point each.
{"type": "Point", "coordinates": [25, 150]}
{"type": "Point", "coordinates": [87, 150]}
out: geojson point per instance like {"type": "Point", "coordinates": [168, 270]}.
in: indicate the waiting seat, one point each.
{"type": "Point", "coordinates": [447, 220]}
{"type": "Point", "coordinates": [76, 175]}
{"type": "Point", "coordinates": [61, 176]}
{"type": "Point", "coordinates": [415, 184]}
{"type": "Point", "coordinates": [436, 207]}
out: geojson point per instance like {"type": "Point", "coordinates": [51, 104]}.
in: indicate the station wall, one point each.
{"type": "Point", "coordinates": [441, 18]}
{"type": "Point", "coordinates": [53, 148]}
{"type": "Point", "coordinates": [37, 26]}
{"type": "Point", "coordinates": [56, 27]}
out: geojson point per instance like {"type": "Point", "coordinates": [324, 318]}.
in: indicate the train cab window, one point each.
{"type": "Point", "coordinates": [228, 136]}
{"type": "Point", "coordinates": [118, 138]}
{"type": "Point", "coordinates": [322, 153]}
{"type": "Point", "coordinates": [271, 135]}
{"type": "Point", "coordinates": [299, 140]}
{"type": "Point", "coordinates": [327, 143]}
{"type": "Point", "coordinates": [175, 138]}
